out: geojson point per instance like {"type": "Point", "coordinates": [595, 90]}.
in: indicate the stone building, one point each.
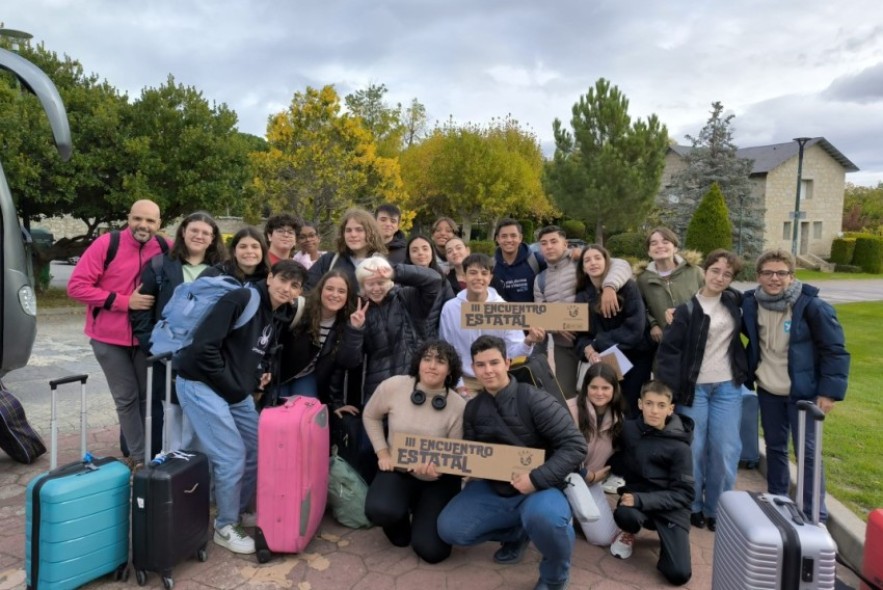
{"type": "Point", "coordinates": [774, 182]}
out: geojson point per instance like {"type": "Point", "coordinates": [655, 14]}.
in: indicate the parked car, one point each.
{"type": "Point", "coordinates": [41, 238]}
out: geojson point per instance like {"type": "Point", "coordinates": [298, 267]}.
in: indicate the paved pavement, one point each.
{"type": "Point", "coordinates": [337, 559]}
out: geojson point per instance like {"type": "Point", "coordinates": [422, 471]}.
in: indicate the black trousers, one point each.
{"type": "Point", "coordinates": [674, 554]}
{"type": "Point", "coordinates": [407, 508]}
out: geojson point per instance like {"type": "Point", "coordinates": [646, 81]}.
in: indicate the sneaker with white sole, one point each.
{"type": "Point", "coordinates": [622, 545]}
{"type": "Point", "coordinates": [248, 519]}
{"type": "Point", "coordinates": [612, 484]}
{"type": "Point", "coordinates": [233, 538]}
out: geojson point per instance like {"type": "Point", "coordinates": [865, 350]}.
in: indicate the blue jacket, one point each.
{"type": "Point", "coordinates": [517, 278]}
{"type": "Point", "coordinates": [818, 363]}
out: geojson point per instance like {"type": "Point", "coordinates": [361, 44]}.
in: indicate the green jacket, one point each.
{"type": "Point", "coordinates": [662, 293]}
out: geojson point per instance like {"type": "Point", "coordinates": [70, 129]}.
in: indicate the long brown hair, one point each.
{"type": "Point", "coordinates": [372, 232]}
{"type": "Point", "coordinates": [617, 403]}
{"type": "Point", "coordinates": [313, 310]}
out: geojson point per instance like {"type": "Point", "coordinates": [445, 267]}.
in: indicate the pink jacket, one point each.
{"type": "Point", "coordinates": [106, 293]}
{"type": "Point", "coordinates": [601, 447]}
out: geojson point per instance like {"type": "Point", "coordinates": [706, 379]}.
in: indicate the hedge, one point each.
{"type": "Point", "coordinates": [482, 247]}
{"type": "Point", "coordinates": [627, 245]}
{"type": "Point", "coordinates": [574, 228]}
{"type": "Point", "coordinates": [842, 250]}
{"type": "Point", "coordinates": [869, 254]}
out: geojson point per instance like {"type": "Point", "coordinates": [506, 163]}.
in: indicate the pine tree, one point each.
{"type": "Point", "coordinates": [713, 159]}
{"type": "Point", "coordinates": [710, 227]}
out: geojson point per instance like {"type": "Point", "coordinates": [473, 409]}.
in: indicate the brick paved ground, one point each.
{"type": "Point", "coordinates": [344, 559]}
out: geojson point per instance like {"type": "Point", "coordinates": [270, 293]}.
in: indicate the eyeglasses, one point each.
{"type": "Point", "coordinates": [768, 274]}
{"type": "Point", "coordinates": [285, 232]}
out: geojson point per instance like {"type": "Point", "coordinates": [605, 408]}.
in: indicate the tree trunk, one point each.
{"type": "Point", "coordinates": [466, 228]}
{"type": "Point", "coordinates": [599, 232]}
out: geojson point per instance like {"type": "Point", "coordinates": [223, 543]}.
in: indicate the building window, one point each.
{"type": "Point", "coordinates": [817, 230]}
{"type": "Point", "coordinates": [805, 189]}
{"type": "Point", "coordinates": [786, 230]}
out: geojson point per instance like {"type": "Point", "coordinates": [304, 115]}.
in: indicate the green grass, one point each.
{"type": "Point", "coordinates": [813, 276]}
{"type": "Point", "coordinates": [853, 435]}
{"type": "Point", "coordinates": [54, 297]}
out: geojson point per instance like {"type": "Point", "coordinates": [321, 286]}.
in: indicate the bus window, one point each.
{"type": "Point", "coordinates": [18, 303]}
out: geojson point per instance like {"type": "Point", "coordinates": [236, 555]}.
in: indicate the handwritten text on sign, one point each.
{"type": "Point", "coordinates": [465, 457]}
{"type": "Point", "coordinates": [521, 316]}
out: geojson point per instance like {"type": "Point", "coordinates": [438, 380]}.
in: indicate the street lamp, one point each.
{"type": "Point", "coordinates": [801, 141]}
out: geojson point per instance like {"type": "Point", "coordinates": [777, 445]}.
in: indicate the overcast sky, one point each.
{"type": "Point", "coordinates": [784, 68]}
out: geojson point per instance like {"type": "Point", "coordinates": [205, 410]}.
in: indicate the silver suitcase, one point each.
{"type": "Point", "coordinates": [764, 542]}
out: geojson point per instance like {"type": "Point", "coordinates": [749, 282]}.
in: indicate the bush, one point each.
{"type": "Point", "coordinates": [710, 228]}
{"type": "Point", "coordinates": [869, 254]}
{"type": "Point", "coordinates": [482, 247]}
{"type": "Point", "coordinates": [627, 245]}
{"type": "Point", "coordinates": [847, 268]}
{"type": "Point", "coordinates": [528, 226]}
{"type": "Point", "coordinates": [574, 228]}
{"type": "Point", "coordinates": [842, 250]}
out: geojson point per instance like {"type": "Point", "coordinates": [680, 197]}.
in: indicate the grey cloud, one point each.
{"type": "Point", "coordinates": [864, 87]}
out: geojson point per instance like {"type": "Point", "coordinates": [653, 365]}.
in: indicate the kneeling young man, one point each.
{"type": "Point", "coordinates": [217, 375]}
{"type": "Point", "coordinates": [659, 482]}
{"type": "Point", "coordinates": [532, 506]}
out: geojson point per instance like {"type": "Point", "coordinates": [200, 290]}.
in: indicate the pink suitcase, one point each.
{"type": "Point", "coordinates": [293, 451]}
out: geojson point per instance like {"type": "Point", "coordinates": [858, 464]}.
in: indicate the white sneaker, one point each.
{"type": "Point", "coordinates": [622, 545]}
{"type": "Point", "coordinates": [248, 519]}
{"type": "Point", "coordinates": [612, 484]}
{"type": "Point", "coordinates": [232, 537]}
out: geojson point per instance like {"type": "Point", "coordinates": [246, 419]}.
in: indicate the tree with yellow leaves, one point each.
{"type": "Point", "coordinates": [321, 161]}
{"type": "Point", "coordinates": [477, 173]}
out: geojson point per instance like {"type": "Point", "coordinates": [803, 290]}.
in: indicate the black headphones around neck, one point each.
{"type": "Point", "coordinates": [439, 401]}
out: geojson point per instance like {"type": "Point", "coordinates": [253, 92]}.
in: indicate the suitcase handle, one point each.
{"type": "Point", "coordinates": [806, 411]}
{"type": "Point", "coordinates": [165, 359]}
{"type": "Point", "coordinates": [53, 416]}
{"type": "Point", "coordinates": [70, 379]}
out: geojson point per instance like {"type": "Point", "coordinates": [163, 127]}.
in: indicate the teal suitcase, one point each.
{"type": "Point", "coordinates": [77, 515]}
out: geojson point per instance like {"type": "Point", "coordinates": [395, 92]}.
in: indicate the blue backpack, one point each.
{"type": "Point", "coordinates": [189, 304]}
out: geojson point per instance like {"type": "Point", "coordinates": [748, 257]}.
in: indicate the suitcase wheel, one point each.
{"type": "Point", "coordinates": [141, 577]}
{"type": "Point", "coordinates": [121, 573]}
{"type": "Point", "coordinates": [202, 554]}
{"type": "Point", "coordinates": [264, 555]}
{"type": "Point", "coordinates": [168, 583]}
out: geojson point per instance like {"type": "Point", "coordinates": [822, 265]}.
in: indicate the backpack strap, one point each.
{"type": "Point", "coordinates": [334, 260]}
{"type": "Point", "coordinates": [112, 248]}
{"type": "Point", "coordinates": [541, 281]}
{"type": "Point", "coordinates": [251, 308]}
{"type": "Point", "coordinates": [156, 264]}
{"type": "Point", "coordinates": [533, 263]}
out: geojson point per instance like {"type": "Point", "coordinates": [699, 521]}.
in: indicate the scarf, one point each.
{"type": "Point", "coordinates": [781, 301]}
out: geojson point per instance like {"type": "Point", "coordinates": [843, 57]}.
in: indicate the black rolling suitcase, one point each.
{"type": "Point", "coordinates": [764, 541]}
{"type": "Point", "coordinates": [170, 501]}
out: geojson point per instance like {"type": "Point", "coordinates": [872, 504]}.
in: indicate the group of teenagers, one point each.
{"type": "Point", "coordinates": [372, 328]}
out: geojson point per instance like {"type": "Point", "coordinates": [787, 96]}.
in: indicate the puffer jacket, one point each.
{"type": "Point", "coordinates": [600, 448]}
{"type": "Point", "coordinates": [628, 328]}
{"type": "Point", "coordinates": [106, 292]}
{"type": "Point", "coordinates": [659, 467]}
{"type": "Point", "coordinates": [551, 428]}
{"type": "Point", "coordinates": [818, 363]}
{"type": "Point", "coordinates": [391, 335]}
{"type": "Point", "coordinates": [662, 293]}
{"type": "Point", "coordinates": [682, 349]}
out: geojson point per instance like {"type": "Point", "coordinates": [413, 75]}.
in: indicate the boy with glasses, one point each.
{"type": "Point", "coordinates": [281, 233]}
{"type": "Point", "coordinates": [796, 350]}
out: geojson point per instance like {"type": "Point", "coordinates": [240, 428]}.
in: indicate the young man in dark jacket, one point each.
{"type": "Point", "coordinates": [532, 506]}
{"type": "Point", "coordinates": [659, 482]}
{"type": "Point", "coordinates": [217, 375]}
{"type": "Point", "coordinates": [796, 350]}
{"type": "Point", "coordinates": [516, 267]}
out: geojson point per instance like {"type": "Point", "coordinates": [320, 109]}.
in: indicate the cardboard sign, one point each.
{"type": "Point", "coordinates": [500, 315]}
{"type": "Point", "coordinates": [465, 457]}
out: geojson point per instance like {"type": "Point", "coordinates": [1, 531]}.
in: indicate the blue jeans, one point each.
{"type": "Point", "coordinates": [478, 514]}
{"type": "Point", "coordinates": [717, 417]}
{"type": "Point", "coordinates": [778, 416]}
{"type": "Point", "coordinates": [228, 434]}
